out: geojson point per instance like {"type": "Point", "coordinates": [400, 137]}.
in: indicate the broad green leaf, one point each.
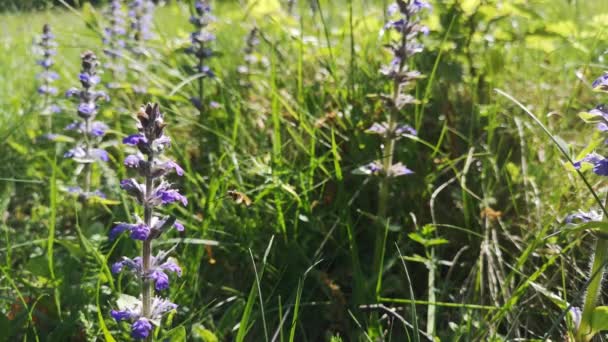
{"type": "Point", "coordinates": [591, 117]}
{"type": "Point", "coordinates": [593, 225]}
{"type": "Point", "coordinates": [599, 319]}
{"type": "Point", "coordinates": [177, 334]}
{"type": "Point", "coordinates": [200, 333]}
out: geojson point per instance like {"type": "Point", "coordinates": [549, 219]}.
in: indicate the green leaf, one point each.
{"type": "Point", "coordinates": [599, 319]}
{"type": "Point", "coordinates": [589, 117]}
{"type": "Point", "coordinates": [592, 225]}
{"type": "Point", "coordinates": [177, 334]}
{"type": "Point", "coordinates": [200, 333]}
{"type": "Point", "coordinates": [5, 327]}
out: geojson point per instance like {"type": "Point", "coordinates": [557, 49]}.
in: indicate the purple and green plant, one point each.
{"type": "Point", "coordinates": [250, 58]}
{"type": "Point", "coordinates": [154, 191]}
{"type": "Point", "coordinates": [114, 40]}
{"type": "Point", "coordinates": [593, 317]}
{"type": "Point", "coordinates": [404, 27]}
{"type": "Point", "coordinates": [201, 40]}
{"type": "Point", "coordinates": [141, 16]}
{"type": "Point", "coordinates": [90, 132]}
{"type": "Point", "coordinates": [48, 48]}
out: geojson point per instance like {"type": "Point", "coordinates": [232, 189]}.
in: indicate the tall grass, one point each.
{"type": "Point", "coordinates": [476, 248]}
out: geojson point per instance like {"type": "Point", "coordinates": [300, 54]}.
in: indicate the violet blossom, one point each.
{"type": "Point", "coordinates": [151, 192]}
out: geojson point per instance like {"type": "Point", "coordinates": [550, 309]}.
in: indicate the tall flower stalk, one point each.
{"type": "Point", "coordinates": [585, 321]}
{"type": "Point", "coordinates": [155, 191]}
{"type": "Point", "coordinates": [141, 14]}
{"type": "Point", "coordinates": [201, 39]}
{"type": "Point", "coordinates": [86, 152]}
{"type": "Point", "coordinates": [245, 70]}
{"type": "Point", "coordinates": [114, 41]}
{"type": "Point", "coordinates": [405, 24]}
{"type": "Point", "coordinates": [48, 48]}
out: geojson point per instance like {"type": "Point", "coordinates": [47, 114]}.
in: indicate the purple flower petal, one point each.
{"type": "Point", "coordinates": [135, 139]}
{"type": "Point", "coordinates": [140, 232]}
{"type": "Point", "coordinates": [172, 267]}
{"type": "Point", "coordinates": [178, 226]}
{"type": "Point", "coordinates": [168, 196]}
{"type": "Point", "coordinates": [399, 169]}
{"type": "Point", "coordinates": [121, 315]}
{"type": "Point", "coordinates": [100, 154]}
{"type": "Point", "coordinates": [133, 160]}
{"type": "Point", "coordinates": [141, 328]}
{"type": "Point", "coordinates": [118, 229]}
{"type": "Point", "coordinates": [160, 278]}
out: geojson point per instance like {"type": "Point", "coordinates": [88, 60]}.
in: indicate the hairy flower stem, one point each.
{"type": "Point", "coordinates": [201, 89]}
{"type": "Point", "coordinates": [88, 167]}
{"type": "Point", "coordinates": [146, 289]}
{"type": "Point", "coordinates": [592, 296]}
{"type": "Point", "coordinates": [388, 150]}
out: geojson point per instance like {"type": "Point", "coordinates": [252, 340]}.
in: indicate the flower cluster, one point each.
{"type": "Point", "coordinates": [154, 191]}
{"type": "Point", "coordinates": [599, 117]}
{"type": "Point", "coordinates": [90, 131]}
{"type": "Point", "coordinates": [405, 23]}
{"type": "Point", "coordinates": [245, 70]}
{"type": "Point", "coordinates": [114, 39]}
{"type": "Point", "coordinates": [142, 325]}
{"type": "Point", "coordinates": [200, 40]}
{"type": "Point", "coordinates": [47, 77]}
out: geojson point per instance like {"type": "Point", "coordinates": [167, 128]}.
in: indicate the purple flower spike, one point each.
{"type": "Point", "coordinates": [150, 192]}
{"type": "Point", "coordinates": [141, 329]}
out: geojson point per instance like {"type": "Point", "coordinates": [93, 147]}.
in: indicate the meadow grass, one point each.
{"type": "Point", "coordinates": [475, 248]}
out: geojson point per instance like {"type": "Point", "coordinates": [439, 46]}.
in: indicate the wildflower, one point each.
{"type": "Point", "coordinates": [114, 40]}
{"type": "Point", "coordinates": [91, 132]}
{"type": "Point", "coordinates": [141, 14]}
{"type": "Point", "coordinates": [405, 23]}
{"type": "Point", "coordinates": [200, 41]}
{"type": "Point", "coordinates": [245, 70]}
{"type": "Point", "coordinates": [152, 271]}
{"type": "Point", "coordinates": [47, 47]}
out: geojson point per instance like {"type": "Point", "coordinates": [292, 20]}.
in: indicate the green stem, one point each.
{"type": "Point", "coordinates": [584, 332]}
{"type": "Point", "coordinates": [592, 296]}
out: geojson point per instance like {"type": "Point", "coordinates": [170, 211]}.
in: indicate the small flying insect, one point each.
{"type": "Point", "coordinates": [239, 197]}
